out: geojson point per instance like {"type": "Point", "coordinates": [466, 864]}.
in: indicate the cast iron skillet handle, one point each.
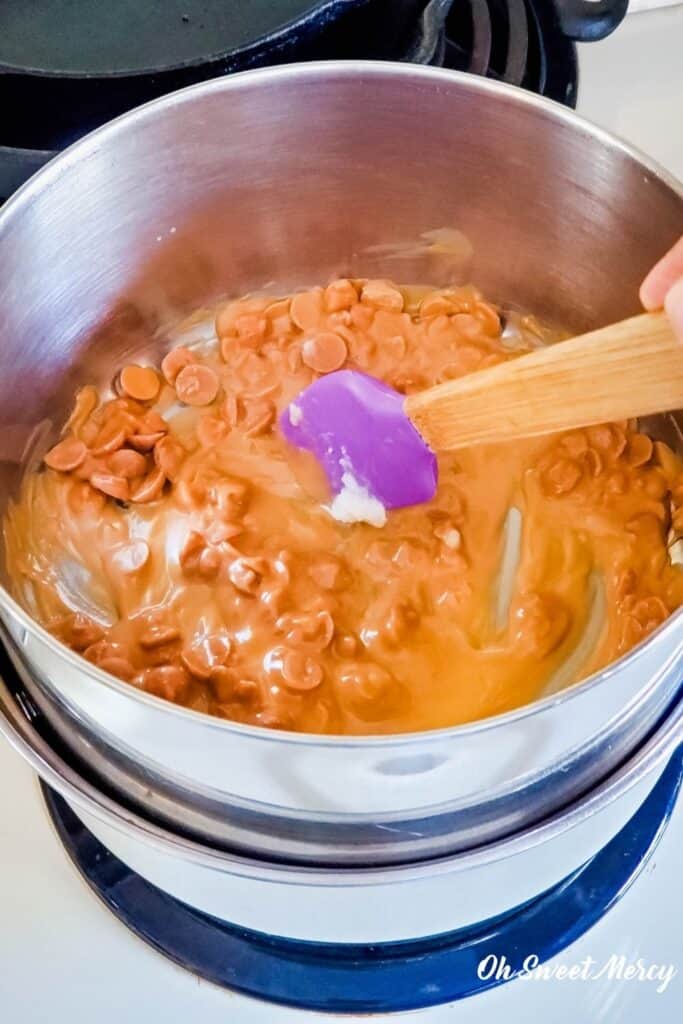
{"type": "Point", "coordinates": [589, 20]}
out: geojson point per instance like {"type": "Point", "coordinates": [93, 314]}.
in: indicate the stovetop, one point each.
{"type": "Point", "coordinates": [520, 42]}
{"type": "Point", "coordinates": [515, 41]}
{"type": "Point", "coordinates": [65, 958]}
{"type": "Point", "coordinates": [632, 83]}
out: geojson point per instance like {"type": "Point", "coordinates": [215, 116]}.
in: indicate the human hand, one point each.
{"type": "Point", "coordinates": [663, 286]}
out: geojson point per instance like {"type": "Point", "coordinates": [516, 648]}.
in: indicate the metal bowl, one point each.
{"type": "Point", "coordinates": [323, 903]}
{"type": "Point", "coordinates": [287, 175]}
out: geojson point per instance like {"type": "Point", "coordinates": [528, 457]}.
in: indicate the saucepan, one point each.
{"type": "Point", "coordinates": [281, 177]}
{"type": "Point", "coordinates": [380, 903]}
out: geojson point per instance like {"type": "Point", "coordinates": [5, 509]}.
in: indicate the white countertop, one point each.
{"type": "Point", "coordinates": [632, 84]}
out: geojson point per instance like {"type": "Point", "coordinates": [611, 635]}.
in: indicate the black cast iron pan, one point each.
{"type": "Point", "coordinates": [67, 66]}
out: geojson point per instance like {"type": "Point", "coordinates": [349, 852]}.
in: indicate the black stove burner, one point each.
{"type": "Point", "coordinates": [515, 41]}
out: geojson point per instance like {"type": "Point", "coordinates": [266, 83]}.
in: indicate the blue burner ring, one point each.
{"type": "Point", "coordinates": [355, 978]}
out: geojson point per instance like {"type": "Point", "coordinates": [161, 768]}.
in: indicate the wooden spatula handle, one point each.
{"type": "Point", "coordinates": [633, 368]}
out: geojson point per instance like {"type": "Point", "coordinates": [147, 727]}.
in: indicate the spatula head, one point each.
{"type": "Point", "coordinates": [356, 427]}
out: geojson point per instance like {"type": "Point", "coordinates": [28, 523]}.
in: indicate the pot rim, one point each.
{"type": "Point", "coordinates": [78, 791]}
{"type": "Point", "coordinates": [312, 72]}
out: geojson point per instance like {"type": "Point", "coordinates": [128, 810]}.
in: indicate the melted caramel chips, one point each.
{"type": "Point", "coordinates": [174, 540]}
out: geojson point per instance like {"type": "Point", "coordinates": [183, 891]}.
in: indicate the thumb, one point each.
{"type": "Point", "coordinates": [662, 277]}
{"type": "Point", "coordinates": [673, 304]}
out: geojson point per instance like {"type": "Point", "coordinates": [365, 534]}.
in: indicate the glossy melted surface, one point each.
{"type": "Point", "coordinates": [175, 540]}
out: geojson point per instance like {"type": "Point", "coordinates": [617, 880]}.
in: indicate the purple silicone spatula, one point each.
{"type": "Point", "coordinates": [376, 443]}
{"type": "Point", "coordinates": [357, 428]}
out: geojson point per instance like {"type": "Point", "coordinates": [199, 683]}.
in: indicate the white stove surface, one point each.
{"type": "Point", "coordinates": [64, 958]}
{"type": "Point", "coordinates": [632, 83]}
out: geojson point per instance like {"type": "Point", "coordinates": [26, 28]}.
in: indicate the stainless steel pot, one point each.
{"type": "Point", "coordinates": [320, 903]}
{"type": "Point", "coordinates": [287, 175]}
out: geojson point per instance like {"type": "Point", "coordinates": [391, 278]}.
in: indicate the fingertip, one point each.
{"type": "Point", "coordinates": [662, 278]}
{"type": "Point", "coordinates": [673, 305]}
{"type": "Point", "coordinates": [647, 295]}
{"type": "Point", "coordinates": [655, 286]}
